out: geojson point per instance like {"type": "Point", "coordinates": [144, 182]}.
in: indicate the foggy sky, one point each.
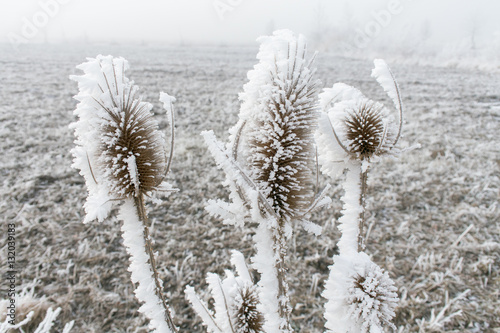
{"type": "Point", "coordinates": [237, 21]}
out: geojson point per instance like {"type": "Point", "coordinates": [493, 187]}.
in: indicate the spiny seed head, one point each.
{"type": "Point", "coordinates": [248, 318]}
{"type": "Point", "coordinates": [364, 129]}
{"type": "Point", "coordinates": [283, 121]}
{"type": "Point", "coordinates": [372, 298]}
{"type": "Point", "coordinates": [121, 151]}
{"type": "Point", "coordinates": [132, 148]}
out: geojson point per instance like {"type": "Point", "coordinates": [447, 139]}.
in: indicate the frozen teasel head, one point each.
{"type": "Point", "coordinates": [119, 148]}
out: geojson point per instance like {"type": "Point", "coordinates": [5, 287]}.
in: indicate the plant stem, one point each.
{"type": "Point", "coordinates": [363, 183]}
{"type": "Point", "coordinates": [143, 217]}
{"type": "Point", "coordinates": [280, 250]}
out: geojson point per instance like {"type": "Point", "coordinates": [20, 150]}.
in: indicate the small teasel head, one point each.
{"type": "Point", "coordinates": [132, 149]}
{"type": "Point", "coordinates": [248, 319]}
{"type": "Point", "coordinates": [364, 130]}
{"type": "Point", "coordinates": [372, 298]}
{"type": "Point", "coordinates": [119, 148]}
{"type": "Point", "coordinates": [353, 127]}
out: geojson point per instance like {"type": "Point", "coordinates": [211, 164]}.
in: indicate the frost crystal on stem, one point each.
{"type": "Point", "coordinates": [122, 156]}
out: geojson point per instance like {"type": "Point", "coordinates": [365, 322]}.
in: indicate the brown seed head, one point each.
{"type": "Point", "coordinates": [281, 145]}
{"type": "Point", "coordinates": [132, 150]}
{"type": "Point", "coordinates": [365, 130]}
{"type": "Point", "coordinates": [248, 318]}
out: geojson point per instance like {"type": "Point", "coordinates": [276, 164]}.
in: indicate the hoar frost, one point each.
{"type": "Point", "coordinates": [122, 156]}
{"type": "Point", "coordinates": [119, 149]}
{"type": "Point", "coordinates": [353, 131]}
{"type": "Point", "coordinates": [268, 163]}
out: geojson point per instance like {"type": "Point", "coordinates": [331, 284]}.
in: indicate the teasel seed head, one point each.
{"type": "Point", "coordinates": [248, 318]}
{"type": "Point", "coordinates": [355, 129]}
{"type": "Point", "coordinates": [372, 298]}
{"type": "Point", "coordinates": [280, 109]}
{"type": "Point", "coordinates": [364, 130]}
{"type": "Point", "coordinates": [119, 149]}
{"type": "Point", "coordinates": [132, 150]}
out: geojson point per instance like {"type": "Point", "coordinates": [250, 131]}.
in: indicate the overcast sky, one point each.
{"type": "Point", "coordinates": [239, 21]}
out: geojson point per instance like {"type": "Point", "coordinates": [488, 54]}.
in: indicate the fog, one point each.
{"type": "Point", "coordinates": [348, 25]}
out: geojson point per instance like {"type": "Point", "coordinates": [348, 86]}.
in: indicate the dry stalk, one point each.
{"type": "Point", "coordinates": [143, 217]}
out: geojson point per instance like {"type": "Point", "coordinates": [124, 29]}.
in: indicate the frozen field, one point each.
{"type": "Point", "coordinates": [434, 213]}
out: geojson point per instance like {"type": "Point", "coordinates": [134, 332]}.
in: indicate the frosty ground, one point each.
{"type": "Point", "coordinates": [434, 219]}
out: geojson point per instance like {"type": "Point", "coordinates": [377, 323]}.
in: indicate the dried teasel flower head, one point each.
{"type": "Point", "coordinates": [372, 299]}
{"type": "Point", "coordinates": [248, 319]}
{"type": "Point", "coordinates": [362, 297]}
{"type": "Point", "coordinates": [120, 151]}
{"type": "Point", "coordinates": [364, 130]}
{"type": "Point", "coordinates": [355, 128]}
{"type": "Point", "coordinates": [279, 114]}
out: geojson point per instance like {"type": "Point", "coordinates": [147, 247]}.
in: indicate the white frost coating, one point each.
{"type": "Point", "coordinates": [132, 171]}
{"type": "Point", "coordinates": [5, 327]}
{"type": "Point", "coordinates": [104, 91]}
{"type": "Point", "coordinates": [235, 211]}
{"type": "Point", "coordinates": [264, 263]}
{"type": "Point", "coordinates": [168, 102]}
{"type": "Point", "coordinates": [334, 103]}
{"type": "Point", "coordinates": [268, 163]}
{"type": "Point", "coordinates": [222, 302]}
{"type": "Point", "coordinates": [48, 321]}
{"type": "Point", "coordinates": [384, 77]}
{"type": "Point", "coordinates": [226, 294]}
{"type": "Point", "coordinates": [366, 306]}
{"type": "Point", "coordinates": [349, 222]}
{"type": "Point", "coordinates": [339, 92]}
{"type": "Point", "coordinates": [331, 157]}
{"type": "Point", "coordinates": [201, 308]}
{"type": "Point", "coordinates": [43, 327]}
{"type": "Point", "coordinates": [139, 268]}
{"type": "Point", "coordinates": [239, 263]}
{"type": "Point", "coordinates": [311, 227]}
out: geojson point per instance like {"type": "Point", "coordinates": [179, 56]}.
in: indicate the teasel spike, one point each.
{"type": "Point", "coordinates": [400, 102]}
{"type": "Point", "coordinates": [337, 137]}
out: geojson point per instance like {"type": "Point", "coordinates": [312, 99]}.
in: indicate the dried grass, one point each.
{"type": "Point", "coordinates": [419, 205]}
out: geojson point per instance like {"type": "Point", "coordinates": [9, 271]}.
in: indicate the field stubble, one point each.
{"type": "Point", "coordinates": [434, 220]}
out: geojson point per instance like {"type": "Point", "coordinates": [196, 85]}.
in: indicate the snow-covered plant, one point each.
{"type": "Point", "coordinates": [122, 155]}
{"type": "Point", "coordinates": [353, 132]}
{"type": "Point", "coordinates": [235, 301]}
{"type": "Point", "coordinates": [362, 297]}
{"type": "Point", "coordinates": [268, 163]}
{"type": "Point", "coordinates": [35, 313]}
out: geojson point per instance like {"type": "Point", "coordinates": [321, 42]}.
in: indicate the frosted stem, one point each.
{"type": "Point", "coordinates": [349, 223]}
{"type": "Point", "coordinates": [143, 217]}
{"type": "Point", "coordinates": [280, 251]}
{"type": "Point", "coordinates": [273, 288]}
{"type": "Point", "coordinates": [361, 238]}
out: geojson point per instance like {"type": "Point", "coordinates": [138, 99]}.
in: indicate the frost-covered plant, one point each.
{"type": "Point", "coordinates": [353, 132]}
{"type": "Point", "coordinates": [35, 313]}
{"type": "Point", "coordinates": [268, 163]}
{"type": "Point", "coordinates": [362, 297]}
{"type": "Point", "coordinates": [235, 301]}
{"type": "Point", "coordinates": [122, 156]}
